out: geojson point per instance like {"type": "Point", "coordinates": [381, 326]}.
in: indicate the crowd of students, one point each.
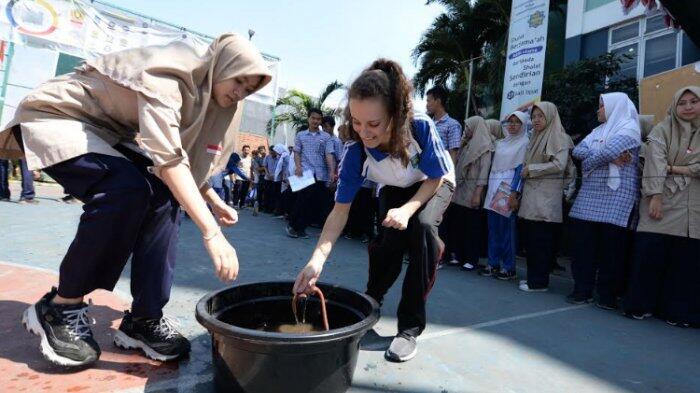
{"type": "Point", "coordinates": [635, 218]}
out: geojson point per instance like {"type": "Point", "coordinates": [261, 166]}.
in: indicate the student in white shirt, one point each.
{"type": "Point", "coordinates": [402, 152]}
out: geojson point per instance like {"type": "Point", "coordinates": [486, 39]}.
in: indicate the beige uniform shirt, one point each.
{"type": "Point", "coordinates": [474, 175]}
{"type": "Point", "coordinates": [681, 210]}
{"type": "Point", "coordinates": [543, 190]}
{"type": "Point", "coordinates": [86, 112]}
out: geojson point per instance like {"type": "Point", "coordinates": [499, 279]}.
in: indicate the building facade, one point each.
{"type": "Point", "coordinates": [596, 27]}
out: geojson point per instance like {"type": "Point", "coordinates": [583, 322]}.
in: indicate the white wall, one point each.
{"type": "Point", "coordinates": [29, 67]}
{"type": "Point", "coordinates": [578, 21]}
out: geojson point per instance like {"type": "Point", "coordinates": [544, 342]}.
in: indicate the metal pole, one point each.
{"type": "Point", "coordinates": [8, 60]}
{"type": "Point", "coordinates": [469, 88]}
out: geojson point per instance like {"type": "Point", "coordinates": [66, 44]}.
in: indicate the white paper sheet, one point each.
{"type": "Point", "coordinates": [300, 182]}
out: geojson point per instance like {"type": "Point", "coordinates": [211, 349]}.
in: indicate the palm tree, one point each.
{"type": "Point", "coordinates": [467, 30]}
{"type": "Point", "coordinates": [294, 107]}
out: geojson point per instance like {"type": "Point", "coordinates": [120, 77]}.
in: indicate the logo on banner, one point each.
{"type": "Point", "coordinates": [536, 19]}
{"type": "Point", "coordinates": [33, 18]}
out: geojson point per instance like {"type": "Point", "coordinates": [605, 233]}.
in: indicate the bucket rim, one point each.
{"type": "Point", "coordinates": [214, 325]}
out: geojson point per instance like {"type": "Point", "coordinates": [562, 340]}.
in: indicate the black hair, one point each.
{"type": "Point", "coordinates": [439, 93]}
{"type": "Point", "coordinates": [329, 120]}
{"type": "Point", "coordinates": [315, 110]}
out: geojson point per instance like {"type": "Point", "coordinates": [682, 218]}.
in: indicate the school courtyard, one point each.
{"type": "Point", "coordinates": [483, 335]}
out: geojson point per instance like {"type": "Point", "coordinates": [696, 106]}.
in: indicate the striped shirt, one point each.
{"type": "Point", "coordinates": [312, 147]}
{"type": "Point", "coordinates": [598, 202]}
{"type": "Point", "coordinates": [450, 132]}
{"type": "Point", "coordinates": [270, 163]}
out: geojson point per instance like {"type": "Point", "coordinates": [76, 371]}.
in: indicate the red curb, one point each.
{"type": "Point", "coordinates": [22, 367]}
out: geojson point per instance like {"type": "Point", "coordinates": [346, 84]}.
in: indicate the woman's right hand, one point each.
{"type": "Point", "coordinates": [655, 206]}
{"type": "Point", "coordinates": [307, 278]}
{"type": "Point", "coordinates": [513, 202]}
{"type": "Point", "coordinates": [223, 256]}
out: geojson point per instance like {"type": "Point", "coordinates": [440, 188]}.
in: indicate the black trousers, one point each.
{"type": "Point", "coordinates": [540, 242]}
{"type": "Point", "coordinates": [665, 277]}
{"type": "Point", "coordinates": [306, 205]}
{"type": "Point", "coordinates": [128, 212]}
{"type": "Point", "coordinates": [272, 195]}
{"type": "Point", "coordinates": [423, 244]}
{"type": "Point", "coordinates": [599, 248]}
{"type": "Point", "coordinates": [362, 214]}
{"type": "Point", "coordinates": [466, 234]}
{"type": "Point", "coordinates": [242, 188]}
{"type": "Point", "coordinates": [287, 200]}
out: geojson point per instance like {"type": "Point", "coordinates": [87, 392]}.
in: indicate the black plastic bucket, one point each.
{"type": "Point", "coordinates": [247, 358]}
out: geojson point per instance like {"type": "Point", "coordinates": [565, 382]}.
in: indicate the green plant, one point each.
{"type": "Point", "coordinates": [577, 87]}
{"type": "Point", "coordinates": [294, 107]}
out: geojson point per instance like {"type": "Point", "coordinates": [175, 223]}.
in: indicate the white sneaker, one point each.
{"type": "Point", "coordinates": [526, 288]}
{"type": "Point", "coordinates": [468, 266]}
{"type": "Point", "coordinates": [453, 260]}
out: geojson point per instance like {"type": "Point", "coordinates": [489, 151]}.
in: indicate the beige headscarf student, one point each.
{"type": "Point", "coordinates": [673, 143]}
{"type": "Point", "coordinates": [474, 161]}
{"type": "Point", "coordinates": [163, 92]}
{"type": "Point", "coordinates": [546, 160]}
{"type": "Point", "coordinates": [495, 128]}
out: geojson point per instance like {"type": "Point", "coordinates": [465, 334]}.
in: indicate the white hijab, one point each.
{"type": "Point", "coordinates": [283, 152]}
{"type": "Point", "coordinates": [622, 119]}
{"type": "Point", "coordinates": [510, 151]}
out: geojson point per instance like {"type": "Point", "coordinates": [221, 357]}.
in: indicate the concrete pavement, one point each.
{"type": "Point", "coordinates": [483, 335]}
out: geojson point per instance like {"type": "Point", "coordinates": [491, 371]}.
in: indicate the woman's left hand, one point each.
{"type": "Point", "coordinates": [525, 172]}
{"type": "Point", "coordinates": [397, 218]}
{"type": "Point", "coordinates": [225, 214]}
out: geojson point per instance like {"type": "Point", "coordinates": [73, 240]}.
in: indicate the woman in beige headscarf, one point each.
{"type": "Point", "coordinates": [495, 128]}
{"type": "Point", "coordinates": [666, 270]}
{"type": "Point", "coordinates": [472, 175]}
{"type": "Point", "coordinates": [81, 129]}
{"type": "Point", "coordinates": [541, 207]}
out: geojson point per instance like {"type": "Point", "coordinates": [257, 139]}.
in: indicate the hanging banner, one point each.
{"type": "Point", "coordinates": [527, 44]}
{"type": "Point", "coordinates": [87, 30]}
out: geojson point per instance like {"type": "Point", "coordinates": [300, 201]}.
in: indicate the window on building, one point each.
{"type": "Point", "coordinates": [628, 68]}
{"type": "Point", "coordinates": [651, 47]}
{"type": "Point", "coordinates": [66, 63]}
{"type": "Point", "coordinates": [591, 4]}
{"type": "Point", "coordinates": [660, 54]}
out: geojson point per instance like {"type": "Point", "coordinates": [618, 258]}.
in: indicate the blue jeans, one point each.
{"type": "Point", "coordinates": [27, 180]}
{"type": "Point", "coordinates": [501, 241]}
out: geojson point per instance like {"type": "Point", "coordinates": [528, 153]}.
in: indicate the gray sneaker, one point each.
{"type": "Point", "coordinates": [402, 348]}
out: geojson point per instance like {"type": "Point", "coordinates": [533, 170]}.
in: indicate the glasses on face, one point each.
{"type": "Point", "coordinates": [506, 123]}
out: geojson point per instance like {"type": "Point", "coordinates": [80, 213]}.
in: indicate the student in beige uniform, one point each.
{"type": "Point", "coordinates": [495, 128]}
{"type": "Point", "coordinates": [666, 272]}
{"type": "Point", "coordinates": [472, 175]}
{"type": "Point", "coordinates": [541, 210]}
{"type": "Point", "coordinates": [80, 128]}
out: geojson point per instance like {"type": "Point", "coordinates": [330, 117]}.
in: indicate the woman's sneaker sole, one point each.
{"type": "Point", "coordinates": [123, 341]}
{"type": "Point", "coordinates": [31, 323]}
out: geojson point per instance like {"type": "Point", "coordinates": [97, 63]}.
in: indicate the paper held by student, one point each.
{"type": "Point", "coordinates": [499, 202]}
{"type": "Point", "coordinates": [300, 182]}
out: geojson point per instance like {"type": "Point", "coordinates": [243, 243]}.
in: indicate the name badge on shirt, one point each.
{"type": "Point", "coordinates": [215, 149]}
{"type": "Point", "coordinates": [415, 160]}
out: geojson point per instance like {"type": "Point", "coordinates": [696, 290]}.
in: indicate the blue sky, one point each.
{"type": "Point", "coordinates": [318, 41]}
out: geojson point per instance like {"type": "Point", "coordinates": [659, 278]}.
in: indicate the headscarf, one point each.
{"type": "Point", "coordinates": [472, 148]}
{"type": "Point", "coordinates": [283, 152]}
{"type": "Point", "coordinates": [621, 119]}
{"type": "Point", "coordinates": [646, 124]}
{"type": "Point", "coordinates": [182, 80]}
{"type": "Point", "coordinates": [495, 128]}
{"type": "Point", "coordinates": [681, 140]}
{"type": "Point", "coordinates": [547, 143]}
{"type": "Point", "coordinates": [510, 151]}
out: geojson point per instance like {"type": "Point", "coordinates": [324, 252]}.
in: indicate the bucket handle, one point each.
{"type": "Point", "coordinates": [324, 314]}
